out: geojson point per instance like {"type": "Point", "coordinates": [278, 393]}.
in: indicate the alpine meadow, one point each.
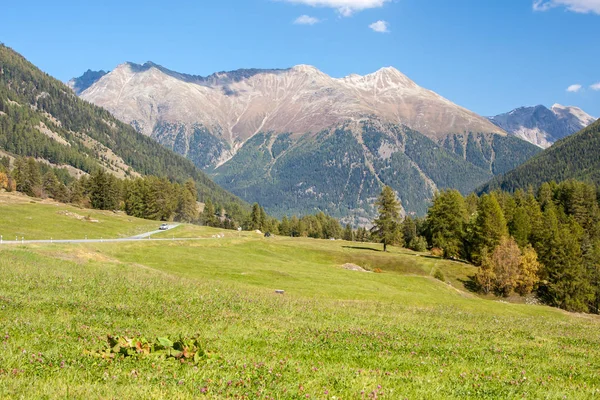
{"type": "Point", "coordinates": [300, 200]}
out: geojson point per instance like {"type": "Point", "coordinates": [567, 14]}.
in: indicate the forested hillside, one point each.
{"type": "Point", "coordinates": [42, 118]}
{"type": "Point", "coordinates": [575, 157]}
{"type": "Point", "coordinates": [340, 171]}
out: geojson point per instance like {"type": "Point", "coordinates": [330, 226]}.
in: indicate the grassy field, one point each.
{"type": "Point", "coordinates": [34, 219]}
{"type": "Point", "coordinates": [335, 333]}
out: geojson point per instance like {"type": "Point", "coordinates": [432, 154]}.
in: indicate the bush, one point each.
{"type": "Point", "coordinates": [439, 275]}
{"type": "Point", "coordinates": [437, 252]}
{"type": "Point", "coordinates": [418, 243]}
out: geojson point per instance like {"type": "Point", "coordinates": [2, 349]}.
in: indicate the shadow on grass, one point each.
{"type": "Point", "coordinates": [361, 248]}
{"type": "Point", "coordinates": [470, 284]}
{"type": "Point", "coordinates": [456, 260]}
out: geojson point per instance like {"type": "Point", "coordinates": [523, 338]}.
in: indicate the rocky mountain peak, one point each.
{"type": "Point", "coordinates": [543, 126]}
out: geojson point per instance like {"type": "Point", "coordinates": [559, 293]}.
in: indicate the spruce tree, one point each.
{"type": "Point", "coordinates": [348, 234]}
{"type": "Point", "coordinates": [446, 222]}
{"type": "Point", "coordinates": [490, 227]}
{"type": "Point", "coordinates": [208, 214]}
{"type": "Point", "coordinates": [387, 226]}
{"type": "Point", "coordinates": [255, 221]}
{"type": "Point", "coordinates": [187, 209]}
{"type": "Point", "coordinates": [409, 230]}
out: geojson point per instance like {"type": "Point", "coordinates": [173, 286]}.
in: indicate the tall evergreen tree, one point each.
{"type": "Point", "coordinates": [409, 230]}
{"type": "Point", "coordinates": [187, 208]}
{"type": "Point", "coordinates": [490, 226]}
{"type": "Point", "coordinates": [446, 222]}
{"type": "Point", "coordinates": [387, 226]}
{"type": "Point", "coordinates": [208, 214]}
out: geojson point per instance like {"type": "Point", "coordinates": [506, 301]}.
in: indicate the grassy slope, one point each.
{"type": "Point", "coordinates": [34, 219]}
{"type": "Point", "coordinates": [400, 333]}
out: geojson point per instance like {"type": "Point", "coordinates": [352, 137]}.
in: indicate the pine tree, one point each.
{"type": "Point", "coordinates": [387, 226]}
{"type": "Point", "coordinates": [51, 185]}
{"type": "Point", "coordinates": [104, 191]}
{"type": "Point", "coordinates": [446, 222]}
{"type": "Point", "coordinates": [255, 218]}
{"type": "Point", "coordinates": [208, 214]}
{"type": "Point", "coordinates": [348, 234]}
{"type": "Point", "coordinates": [187, 209]}
{"type": "Point", "coordinates": [489, 228]}
{"type": "Point", "coordinates": [409, 230]}
{"type": "Point", "coordinates": [520, 226]}
{"type": "Point", "coordinates": [285, 227]}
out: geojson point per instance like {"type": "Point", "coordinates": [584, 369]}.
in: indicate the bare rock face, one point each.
{"type": "Point", "coordinates": [223, 111]}
{"type": "Point", "coordinates": [542, 126]}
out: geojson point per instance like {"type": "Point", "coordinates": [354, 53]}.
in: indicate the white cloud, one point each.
{"type": "Point", "coordinates": [595, 86]}
{"type": "Point", "coordinates": [574, 88]}
{"type": "Point", "coordinates": [345, 7]}
{"type": "Point", "coordinates": [578, 6]}
{"type": "Point", "coordinates": [306, 20]}
{"type": "Point", "coordinates": [380, 26]}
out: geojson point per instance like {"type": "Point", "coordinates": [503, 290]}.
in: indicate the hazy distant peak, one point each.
{"type": "Point", "coordinates": [542, 126]}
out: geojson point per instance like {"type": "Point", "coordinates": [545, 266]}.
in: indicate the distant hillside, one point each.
{"type": "Point", "coordinates": [575, 157]}
{"type": "Point", "coordinates": [41, 117]}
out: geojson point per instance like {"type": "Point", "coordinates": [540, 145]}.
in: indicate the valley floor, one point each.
{"type": "Point", "coordinates": [335, 333]}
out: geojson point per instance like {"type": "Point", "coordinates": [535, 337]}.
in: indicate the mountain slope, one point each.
{"type": "Point", "coordinates": [234, 106]}
{"type": "Point", "coordinates": [574, 157]}
{"type": "Point", "coordinates": [231, 124]}
{"type": "Point", "coordinates": [341, 170]}
{"type": "Point", "coordinates": [542, 126]}
{"type": "Point", "coordinates": [41, 117]}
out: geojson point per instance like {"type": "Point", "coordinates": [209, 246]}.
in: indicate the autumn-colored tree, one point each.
{"type": "Point", "coordinates": [528, 271]}
{"type": "Point", "coordinates": [506, 259]}
{"type": "Point", "coordinates": [485, 276]}
{"type": "Point", "coordinates": [3, 180]}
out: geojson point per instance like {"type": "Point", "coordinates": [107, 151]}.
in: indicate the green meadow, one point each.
{"type": "Point", "coordinates": [333, 334]}
{"type": "Point", "coordinates": [34, 219]}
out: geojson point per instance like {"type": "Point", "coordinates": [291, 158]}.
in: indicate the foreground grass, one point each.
{"type": "Point", "coordinates": [34, 219]}
{"type": "Point", "coordinates": [335, 333]}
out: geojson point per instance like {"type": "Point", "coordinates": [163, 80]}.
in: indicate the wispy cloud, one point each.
{"type": "Point", "coordinates": [595, 86]}
{"type": "Point", "coordinates": [306, 20]}
{"type": "Point", "coordinates": [574, 88]}
{"type": "Point", "coordinates": [578, 6]}
{"type": "Point", "coordinates": [380, 26]}
{"type": "Point", "coordinates": [345, 7]}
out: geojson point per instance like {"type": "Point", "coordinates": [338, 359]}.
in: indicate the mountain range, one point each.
{"type": "Point", "coordinates": [542, 126]}
{"type": "Point", "coordinates": [298, 140]}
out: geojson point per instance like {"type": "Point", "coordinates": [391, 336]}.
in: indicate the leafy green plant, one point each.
{"type": "Point", "coordinates": [184, 349]}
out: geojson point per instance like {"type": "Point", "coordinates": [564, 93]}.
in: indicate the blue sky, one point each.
{"type": "Point", "coordinates": [487, 55]}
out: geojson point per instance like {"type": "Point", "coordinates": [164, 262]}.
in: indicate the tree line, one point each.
{"type": "Point", "coordinates": [545, 241]}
